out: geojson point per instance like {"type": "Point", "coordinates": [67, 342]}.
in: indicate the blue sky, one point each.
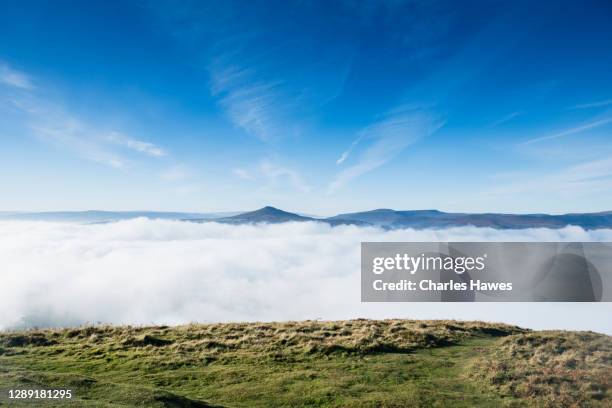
{"type": "Point", "coordinates": [312, 106]}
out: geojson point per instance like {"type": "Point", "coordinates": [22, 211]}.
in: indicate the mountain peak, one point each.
{"type": "Point", "coordinates": [269, 208]}
{"type": "Point", "coordinates": [267, 214]}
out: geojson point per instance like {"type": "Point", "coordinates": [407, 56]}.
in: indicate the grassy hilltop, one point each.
{"type": "Point", "coordinates": [357, 363]}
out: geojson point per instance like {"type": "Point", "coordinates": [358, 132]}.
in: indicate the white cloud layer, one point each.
{"type": "Point", "coordinates": [152, 271]}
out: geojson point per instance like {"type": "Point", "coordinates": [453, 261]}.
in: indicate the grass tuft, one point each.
{"type": "Point", "coordinates": [556, 368]}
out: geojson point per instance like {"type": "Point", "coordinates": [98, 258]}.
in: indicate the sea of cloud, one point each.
{"type": "Point", "coordinates": [145, 271]}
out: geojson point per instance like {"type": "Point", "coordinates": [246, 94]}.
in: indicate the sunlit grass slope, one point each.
{"type": "Point", "coordinates": [358, 363]}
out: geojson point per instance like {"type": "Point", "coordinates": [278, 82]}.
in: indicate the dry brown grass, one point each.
{"type": "Point", "coordinates": [269, 339]}
{"type": "Point", "coordinates": [556, 368]}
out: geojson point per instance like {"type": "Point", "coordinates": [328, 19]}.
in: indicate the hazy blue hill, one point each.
{"type": "Point", "coordinates": [437, 219]}
{"type": "Point", "coordinates": [386, 217]}
{"type": "Point", "coordinates": [95, 216]}
{"type": "Point", "coordinates": [272, 215]}
{"type": "Point", "coordinates": [590, 221]}
{"type": "Point", "coordinates": [269, 215]}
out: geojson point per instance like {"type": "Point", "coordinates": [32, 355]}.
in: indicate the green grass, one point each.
{"type": "Point", "coordinates": [359, 363]}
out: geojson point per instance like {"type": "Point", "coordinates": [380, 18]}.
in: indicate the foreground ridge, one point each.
{"type": "Point", "coordinates": [311, 363]}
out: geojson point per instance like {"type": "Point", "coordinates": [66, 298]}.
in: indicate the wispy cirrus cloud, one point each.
{"type": "Point", "coordinates": [596, 104]}
{"type": "Point", "coordinates": [109, 148]}
{"type": "Point", "coordinates": [261, 96]}
{"type": "Point", "coordinates": [68, 133]}
{"type": "Point", "coordinates": [140, 146]}
{"type": "Point", "coordinates": [506, 118]}
{"type": "Point", "coordinates": [14, 78]}
{"type": "Point", "coordinates": [272, 174]}
{"type": "Point", "coordinates": [265, 87]}
{"type": "Point", "coordinates": [53, 123]}
{"type": "Point", "coordinates": [256, 105]}
{"type": "Point", "coordinates": [345, 154]}
{"type": "Point", "coordinates": [579, 179]}
{"type": "Point", "coordinates": [386, 138]}
{"type": "Point", "coordinates": [575, 130]}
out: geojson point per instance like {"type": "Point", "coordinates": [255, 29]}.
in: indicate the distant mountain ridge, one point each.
{"type": "Point", "coordinates": [383, 217]}
{"type": "Point", "coordinates": [95, 216]}
{"type": "Point", "coordinates": [420, 219]}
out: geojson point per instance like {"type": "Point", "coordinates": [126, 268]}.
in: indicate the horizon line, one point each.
{"type": "Point", "coordinates": [303, 213]}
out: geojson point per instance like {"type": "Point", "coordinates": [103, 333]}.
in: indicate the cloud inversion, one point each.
{"type": "Point", "coordinates": [144, 271]}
